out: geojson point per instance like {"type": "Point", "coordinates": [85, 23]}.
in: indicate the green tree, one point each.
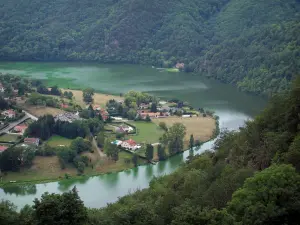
{"type": "Point", "coordinates": [101, 139]}
{"type": "Point", "coordinates": [270, 197]}
{"type": "Point", "coordinates": [131, 114]}
{"type": "Point", "coordinates": [148, 119]}
{"type": "Point", "coordinates": [56, 209]}
{"type": "Point", "coordinates": [163, 126]}
{"type": "Point", "coordinates": [88, 94]}
{"type": "Point", "coordinates": [161, 152]}
{"type": "Point", "coordinates": [111, 150]}
{"type": "Point", "coordinates": [174, 138]}
{"type": "Point", "coordinates": [192, 144]}
{"type": "Point", "coordinates": [153, 107]}
{"type": "Point", "coordinates": [8, 214]}
{"type": "Point", "coordinates": [80, 145]}
{"type": "Point", "coordinates": [149, 152]}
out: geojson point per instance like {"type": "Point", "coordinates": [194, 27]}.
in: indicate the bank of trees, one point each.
{"type": "Point", "coordinates": [223, 39]}
{"type": "Point", "coordinates": [46, 126]}
{"type": "Point", "coordinates": [251, 177]}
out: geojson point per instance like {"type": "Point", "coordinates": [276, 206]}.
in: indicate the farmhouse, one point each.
{"type": "Point", "coordinates": [130, 144]}
{"type": "Point", "coordinates": [34, 141]}
{"type": "Point", "coordinates": [9, 113]}
{"type": "Point", "coordinates": [154, 115]}
{"type": "Point", "coordinates": [20, 128]}
{"type": "Point", "coordinates": [104, 114]}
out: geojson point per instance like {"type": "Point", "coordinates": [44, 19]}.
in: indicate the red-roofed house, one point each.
{"type": "Point", "coordinates": [130, 144]}
{"type": "Point", "coordinates": [35, 141]}
{"type": "Point", "coordinates": [104, 114]}
{"type": "Point", "coordinates": [20, 128]}
{"type": "Point", "coordinates": [96, 107]}
{"type": "Point", "coordinates": [9, 113]}
{"type": "Point", "coordinates": [64, 106]}
{"type": "Point", "coordinates": [3, 148]}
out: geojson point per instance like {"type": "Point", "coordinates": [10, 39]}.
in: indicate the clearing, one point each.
{"type": "Point", "coordinates": [147, 132]}
{"type": "Point", "coordinates": [201, 127]}
{"type": "Point", "coordinates": [99, 99]}
{"type": "Point", "coordinates": [57, 140]}
{"type": "Point", "coordinates": [9, 138]}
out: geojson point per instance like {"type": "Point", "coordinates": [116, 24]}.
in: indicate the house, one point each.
{"type": "Point", "coordinates": [2, 89]}
{"type": "Point", "coordinates": [96, 107]}
{"type": "Point", "coordinates": [104, 114]}
{"type": "Point", "coordinates": [3, 148]}
{"type": "Point", "coordinates": [64, 106]}
{"type": "Point", "coordinates": [130, 144]}
{"type": "Point", "coordinates": [20, 128]}
{"type": "Point", "coordinates": [144, 106]}
{"type": "Point", "coordinates": [34, 141]}
{"type": "Point", "coordinates": [179, 65]}
{"type": "Point", "coordinates": [154, 115]}
{"type": "Point", "coordinates": [124, 129]}
{"type": "Point", "coordinates": [9, 113]}
{"type": "Point", "coordinates": [15, 91]}
{"type": "Point", "coordinates": [67, 117]}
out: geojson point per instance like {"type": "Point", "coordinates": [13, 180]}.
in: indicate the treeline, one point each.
{"type": "Point", "coordinates": [46, 126]}
{"type": "Point", "coordinates": [254, 45]}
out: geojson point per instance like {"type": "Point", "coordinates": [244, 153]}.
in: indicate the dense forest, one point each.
{"type": "Point", "coordinates": [251, 44]}
{"type": "Point", "coordinates": [251, 177]}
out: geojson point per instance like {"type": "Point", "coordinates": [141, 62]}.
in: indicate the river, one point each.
{"type": "Point", "coordinates": [232, 106]}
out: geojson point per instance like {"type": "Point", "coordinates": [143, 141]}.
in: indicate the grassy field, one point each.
{"type": "Point", "coordinates": [41, 111]}
{"type": "Point", "coordinates": [201, 127]}
{"type": "Point", "coordinates": [147, 132]}
{"type": "Point", "coordinates": [9, 138]}
{"type": "Point", "coordinates": [56, 140]}
{"type": "Point", "coordinates": [99, 99]}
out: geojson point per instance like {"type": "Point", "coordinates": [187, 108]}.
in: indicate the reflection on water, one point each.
{"type": "Point", "coordinates": [68, 184]}
{"type": "Point", "coordinates": [149, 171]}
{"type": "Point", "coordinates": [22, 189]}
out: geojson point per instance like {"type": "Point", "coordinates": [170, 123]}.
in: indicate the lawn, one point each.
{"type": "Point", "coordinates": [56, 140]}
{"type": "Point", "coordinates": [201, 127]}
{"type": "Point", "coordinates": [9, 138]}
{"type": "Point", "coordinates": [147, 132]}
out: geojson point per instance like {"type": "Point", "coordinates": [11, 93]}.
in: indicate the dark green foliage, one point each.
{"type": "Point", "coordinates": [153, 107]}
{"type": "Point", "coordinates": [101, 139]}
{"type": "Point", "coordinates": [55, 209]}
{"type": "Point", "coordinates": [3, 104]}
{"type": "Point", "coordinates": [88, 95]}
{"type": "Point", "coordinates": [192, 142]}
{"type": "Point", "coordinates": [149, 152]}
{"type": "Point", "coordinates": [111, 150]}
{"type": "Point", "coordinates": [41, 100]}
{"type": "Point", "coordinates": [161, 152]}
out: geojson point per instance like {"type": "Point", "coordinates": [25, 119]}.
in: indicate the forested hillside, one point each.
{"type": "Point", "coordinates": [251, 177]}
{"type": "Point", "coordinates": [252, 44]}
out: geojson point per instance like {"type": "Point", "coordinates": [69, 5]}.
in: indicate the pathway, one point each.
{"type": "Point", "coordinates": [13, 124]}
{"type": "Point", "coordinates": [101, 154]}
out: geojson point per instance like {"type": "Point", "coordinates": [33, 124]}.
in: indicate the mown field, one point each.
{"type": "Point", "coordinates": [201, 127]}
{"type": "Point", "coordinates": [57, 140]}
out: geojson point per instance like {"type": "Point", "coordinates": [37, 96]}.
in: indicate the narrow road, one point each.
{"type": "Point", "coordinates": [30, 115]}
{"type": "Point", "coordinates": [13, 124]}
{"type": "Point", "coordinates": [101, 154]}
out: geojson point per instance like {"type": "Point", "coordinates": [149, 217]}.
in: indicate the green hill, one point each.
{"type": "Point", "coordinates": [251, 44]}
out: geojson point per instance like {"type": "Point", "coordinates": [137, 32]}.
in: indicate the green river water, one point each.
{"type": "Point", "coordinates": [232, 106]}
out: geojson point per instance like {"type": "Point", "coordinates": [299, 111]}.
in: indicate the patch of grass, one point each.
{"type": "Point", "coordinates": [172, 70]}
{"type": "Point", "coordinates": [147, 132]}
{"type": "Point", "coordinates": [56, 140]}
{"type": "Point", "coordinates": [9, 138]}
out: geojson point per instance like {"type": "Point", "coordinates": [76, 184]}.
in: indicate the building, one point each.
{"type": "Point", "coordinates": [2, 89]}
{"type": "Point", "coordinates": [154, 115]}
{"type": "Point", "coordinates": [124, 129]}
{"type": "Point", "coordinates": [104, 114]}
{"type": "Point", "coordinates": [3, 148]}
{"type": "Point", "coordinates": [96, 107]}
{"type": "Point", "coordinates": [144, 106]}
{"type": "Point", "coordinates": [64, 106]}
{"type": "Point", "coordinates": [9, 113]}
{"type": "Point", "coordinates": [130, 144]}
{"type": "Point", "coordinates": [67, 117]}
{"type": "Point", "coordinates": [34, 141]}
{"type": "Point", "coordinates": [117, 142]}
{"type": "Point", "coordinates": [20, 128]}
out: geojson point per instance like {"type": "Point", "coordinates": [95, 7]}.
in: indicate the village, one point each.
{"type": "Point", "coordinates": [105, 133]}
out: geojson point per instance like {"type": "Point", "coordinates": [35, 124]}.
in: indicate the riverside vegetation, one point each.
{"type": "Point", "coordinates": [253, 45]}
{"type": "Point", "coordinates": [251, 177]}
